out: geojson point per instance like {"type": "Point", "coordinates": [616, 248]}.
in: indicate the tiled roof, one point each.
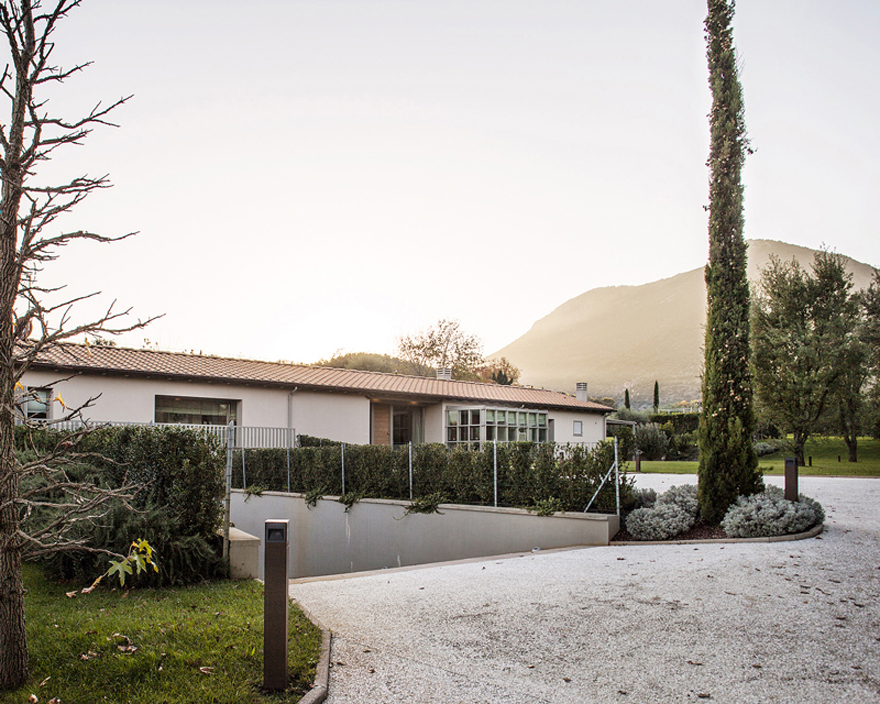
{"type": "Point", "coordinates": [120, 361]}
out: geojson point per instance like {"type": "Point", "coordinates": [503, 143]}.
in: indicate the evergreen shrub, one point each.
{"type": "Point", "coordinates": [177, 507]}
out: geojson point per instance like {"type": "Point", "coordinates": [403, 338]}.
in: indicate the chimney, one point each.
{"type": "Point", "coordinates": [581, 392]}
{"type": "Point", "coordinates": [444, 373]}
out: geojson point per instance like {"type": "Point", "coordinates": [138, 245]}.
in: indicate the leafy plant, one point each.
{"type": "Point", "coordinates": [425, 504]}
{"type": "Point", "coordinates": [312, 497]}
{"type": "Point", "coordinates": [350, 499]}
{"type": "Point", "coordinates": [252, 491]}
{"type": "Point", "coordinates": [547, 507]}
{"type": "Point", "coordinates": [138, 560]}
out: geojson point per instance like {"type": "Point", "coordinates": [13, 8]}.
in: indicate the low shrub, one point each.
{"type": "Point", "coordinates": [769, 513]}
{"type": "Point", "coordinates": [661, 522]}
{"type": "Point", "coordinates": [672, 513]}
{"type": "Point", "coordinates": [684, 496]}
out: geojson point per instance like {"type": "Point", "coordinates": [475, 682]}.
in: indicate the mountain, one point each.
{"type": "Point", "coordinates": [621, 337]}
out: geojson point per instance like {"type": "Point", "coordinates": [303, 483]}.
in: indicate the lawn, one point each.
{"type": "Point", "coordinates": [824, 452]}
{"type": "Point", "coordinates": [190, 644]}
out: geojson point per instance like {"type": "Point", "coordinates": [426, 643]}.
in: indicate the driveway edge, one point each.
{"type": "Point", "coordinates": [812, 533]}
{"type": "Point", "coordinates": [321, 686]}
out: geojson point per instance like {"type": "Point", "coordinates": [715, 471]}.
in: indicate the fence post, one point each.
{"type": "Point", "coordinates": [410, 471]}
{"type": "Point", "coordinates": [230, 433]}
{"type": "Point", "coordinates": [289, 431]}
{"type": "Point", "coordinates": [617, 476]}
{"type": "Point", "coordinates": [243, 473]}
{"type": "Point", "coordinates": [343, 468]}
{"type": "Point", "coordinates": [495, 469]}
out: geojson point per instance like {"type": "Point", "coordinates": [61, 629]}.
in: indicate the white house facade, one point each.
{"type": "Point", "coordinates": [147, 386]}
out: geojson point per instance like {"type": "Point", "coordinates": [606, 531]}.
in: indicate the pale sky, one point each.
{"type": "Point", "coordinates": [314, 176]}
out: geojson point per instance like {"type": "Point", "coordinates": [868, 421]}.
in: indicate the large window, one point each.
{"type": "Point", "coordinates": [473, 426]}
{"type": "Point", "coordinates": [195, 411]}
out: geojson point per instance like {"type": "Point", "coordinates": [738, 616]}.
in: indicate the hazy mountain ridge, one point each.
{"type": "Point", "coordinates": [619, 337]}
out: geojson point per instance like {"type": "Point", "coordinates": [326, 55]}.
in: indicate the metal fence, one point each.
{"type": "Point", "coordinates": [244, 437]}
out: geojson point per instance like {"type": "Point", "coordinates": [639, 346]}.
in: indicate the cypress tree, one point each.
{"type": "Point", "coordinates": [656, 397]}
{"type": "Point", "coordinates": [626, 398]}
{"type": "Point", "coordinates": [728, 464]}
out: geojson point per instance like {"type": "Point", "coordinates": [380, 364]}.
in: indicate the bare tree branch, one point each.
{"type": "Point", "coordinates": [32, 320]}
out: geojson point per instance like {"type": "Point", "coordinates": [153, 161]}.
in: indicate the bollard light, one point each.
{"type": "Point", "coordinates": [791, 479]}
{"type": "Point", "coordinates": [275, 606]}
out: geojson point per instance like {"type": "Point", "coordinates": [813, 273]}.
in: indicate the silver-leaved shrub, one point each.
{"type": "Point", "coordinates": [684, 496]}
{"type": "Point", "coordinates": [769, 513]}
{"type": "Point", "coordinates": [662, 522]}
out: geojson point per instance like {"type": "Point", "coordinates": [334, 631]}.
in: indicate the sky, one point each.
{"type": "Point", "coordinates": [315, 176]}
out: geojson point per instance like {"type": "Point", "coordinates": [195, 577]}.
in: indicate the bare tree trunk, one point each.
{"type": "Point", "coordinates": [799, 439]}
{"type": "Point", "coordinates": [849, 424]}
{"type": "Point", "coordinates": [13, 639]}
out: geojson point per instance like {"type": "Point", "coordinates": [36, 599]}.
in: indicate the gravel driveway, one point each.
{"type": "Point", "coordinates": [750, 622]}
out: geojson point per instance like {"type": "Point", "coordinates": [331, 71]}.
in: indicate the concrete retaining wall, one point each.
{"type": "Point", "coordinates": [374, 534]}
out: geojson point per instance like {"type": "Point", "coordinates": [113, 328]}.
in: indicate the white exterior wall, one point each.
{"type": "Point", "coordinates": [133, 400]}
{"type": "Point", "coordinates": [435, 423]}
{"type": "Point", "coordinates": [376, 533]}
{"type": "Point", "coordinates": [341, 417]}
{"type": "Point", "coordinates": [563, 426]}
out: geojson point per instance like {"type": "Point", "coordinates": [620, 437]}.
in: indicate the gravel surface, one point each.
{"type": "Point", "coordinates": [747, 622]}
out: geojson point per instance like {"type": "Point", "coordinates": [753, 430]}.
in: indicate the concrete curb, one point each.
{"type": "Point", "coordinates": [321, 686]}
{"type": "Point", "coordinates": [812, 533]}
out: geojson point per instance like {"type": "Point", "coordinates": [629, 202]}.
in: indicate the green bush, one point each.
{"type": "Point", "coordinates": [177, 507]}
{"type": "Point", "coordinates": [682, 423]}
{"type": "Point", "coordinates": [651, 441]}
{"type": "Point", "coordinates": [625, 439]}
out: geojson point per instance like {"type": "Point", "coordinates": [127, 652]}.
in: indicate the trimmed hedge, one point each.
{"type": "Point", "coordinates": [681, 423]}
{"type": "Point", "coordinates": [178, 508]}
{"type": "Point", "coordinates": [529, 474]}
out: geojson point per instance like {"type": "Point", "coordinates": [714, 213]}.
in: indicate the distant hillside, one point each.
{"type": "Point", "coordinates": [627, 336]}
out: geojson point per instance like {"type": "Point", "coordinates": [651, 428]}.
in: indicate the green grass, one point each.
{"type": "Point", "coordinates": [823, 450]}
{"type": "Point", "coordinates": [193, 644]}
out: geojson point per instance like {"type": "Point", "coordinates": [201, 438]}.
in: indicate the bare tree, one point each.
{"type": "Point", "coordinates": [33, 318]}
{"type": "Point", "coordinates": [445, 345]}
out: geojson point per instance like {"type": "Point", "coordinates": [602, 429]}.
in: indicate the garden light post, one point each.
{"type": "Point", "coordinates": [275, 605]}
{"type": "Point", "coordinates": [791, 479]}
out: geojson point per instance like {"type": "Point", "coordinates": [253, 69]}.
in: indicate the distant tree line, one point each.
{"type": "Point", "coordinates": [444, 345]}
